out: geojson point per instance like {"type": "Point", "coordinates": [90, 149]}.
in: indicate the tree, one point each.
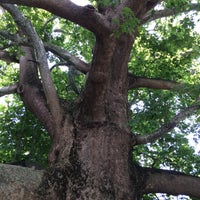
{"type": "Point", "coordinates": [138, 87]}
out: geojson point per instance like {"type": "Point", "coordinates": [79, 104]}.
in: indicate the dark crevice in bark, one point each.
{"type": "Point", "coordinates": [77, 177]}
{"type": "Point", "coordinates": [63, 179]}
{"type": "Point", "coordinates": [54, 183]}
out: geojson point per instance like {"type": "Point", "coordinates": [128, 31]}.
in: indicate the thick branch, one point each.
{"type": "Point", "coordinates": [168, 126]}
{"type": "Point", "coordinates": [169, 12]}
{"type": "Point", "coordinates": [140, 7]}
{"type": "Point", "coordinates": [15, 38]}
{"type": "Point", "coordinates": [31, 92]}
{"type": "Point", "coordinates": [19, 182]}
{"type": "Point", "coordinates": [84, 16]}
{"type": "Point", "coordinates": [8, 90]}
{"type": "Point", "coordinates": [137, 82]}
{"type": "Point", "coordinates": [58, 51]}
{"type": "Point", "coordinates": [72, 60]}
{"type": "Point", "coordinates": [48, 86]}
{"type": "Point", "coordinates": [5, 56]}
{"type": "Point", "coordinates": [171, 182]}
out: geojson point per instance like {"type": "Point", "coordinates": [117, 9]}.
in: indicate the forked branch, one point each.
{"type": "Point", "coordinates": [31, 91]}
{"type": "Point", "coordinates": [48, 86]}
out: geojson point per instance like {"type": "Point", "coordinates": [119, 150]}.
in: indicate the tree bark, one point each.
{"type": "Point", "coordinates": [19, 183]}
{"type": "Point", "coordinates": [100, 164]}
{"type": "Point", "coordinates": [171, 182]}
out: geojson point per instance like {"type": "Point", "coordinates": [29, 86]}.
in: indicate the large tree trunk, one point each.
{"type": "Point", "coordinates": [104, 153]}
{"type": "Point", "coordinates": [94, 155]}
{"type": "Point", "coordinates": [98, 166]}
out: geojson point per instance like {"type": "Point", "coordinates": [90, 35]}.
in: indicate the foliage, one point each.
{"type": "Point", "coordinates": [127, 23]}
{"type": "Point", "coordinates": [22, 136]}
{"type": "Point", "coordinates": [169, 52]}
{"type": "Point", "coordinates": [167, 49]}
{"type": "Point", "coordinates": [177, 4]}
{"type": "Point", "coordinates": [65, 34]}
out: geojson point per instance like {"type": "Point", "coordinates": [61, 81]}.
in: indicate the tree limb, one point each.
{"type": "Point", "coordinates": [140, 8]}
{"type": "Point", "coordinates": [48, 86]}
{"type": "Point", "coordinates": [58, 51]}
{"type": "Point", "coordinates": [5, 56]}
{"type": "Point", "coordinates": [9, 36]}
{"type": "Point", "coordinates": [151, 16]}
{"type": "Point", "coordinates": [170, 182]}
{"type": "Point", "coordinates": [19, 182]}
{"type": "Point", "coordinates": [71, 74]}
{"type": "Point", "coordinates": [72, 60]}
{"type": "Point", "coordinates": [12, 89]}
{"type": "Point", "coordinates": [138, 82]}
{"type": "Point", "coordinates": [160, 132]}
{"type": "Point", "coordinates": [31, 91]}
{"type": "Point", "coordinates": [84, 16]}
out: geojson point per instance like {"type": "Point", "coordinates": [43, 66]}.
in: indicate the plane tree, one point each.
{"type": "Point", "coordinates": [115, 84]}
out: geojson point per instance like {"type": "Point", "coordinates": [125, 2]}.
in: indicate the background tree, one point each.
{"type": "Point", "coordinates": [118, 112]}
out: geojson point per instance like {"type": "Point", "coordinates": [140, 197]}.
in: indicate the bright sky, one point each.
{"type": "Point", "coordinates": [81, 2]}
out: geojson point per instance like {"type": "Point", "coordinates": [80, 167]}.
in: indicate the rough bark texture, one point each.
{"type": "Point", "coordinates": [175, 182]}
{"type": "Point", "coordinates": [98, 166]}
{"type": "Point", "coordinates": [18, 182]}
{"type": "Point", "coordinates": [107, 169]}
